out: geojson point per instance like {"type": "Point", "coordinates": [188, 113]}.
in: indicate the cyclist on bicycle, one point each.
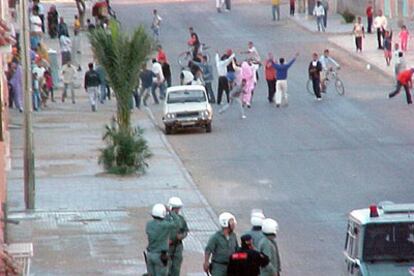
{"type": "Point", "coordinates": [194, 42]}
{"type": "Point", "coordinates": [328, 64]}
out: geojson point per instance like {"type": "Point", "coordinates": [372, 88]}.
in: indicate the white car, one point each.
{"type": "Point", "coordinates": [187, 106]}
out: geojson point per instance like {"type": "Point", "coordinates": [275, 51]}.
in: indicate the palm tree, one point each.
{"type": "Point", "coordinates": [121, 56]}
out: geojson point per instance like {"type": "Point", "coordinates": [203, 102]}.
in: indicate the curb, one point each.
{"type": "Point", "coordinates": [310, 31]}
{"type": "Point", "coordinates": [183, 169]}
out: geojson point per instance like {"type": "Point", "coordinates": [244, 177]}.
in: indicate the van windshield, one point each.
{"type": "Point", "coordinates": [187, 96]}
{"type": "Point", "coordinates": [389, 242]}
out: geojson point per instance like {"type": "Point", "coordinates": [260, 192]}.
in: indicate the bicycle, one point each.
{"type": "Point", "coordinates": [185, 57]}
{"type": "Point", "coordinates": [331, 75]}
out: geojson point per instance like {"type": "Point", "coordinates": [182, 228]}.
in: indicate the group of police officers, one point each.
{"type": "Point", "coordinates": [257, 255]}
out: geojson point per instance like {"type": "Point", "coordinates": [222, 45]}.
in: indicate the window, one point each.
{"type": "Point", "coordinates": [187, 96]}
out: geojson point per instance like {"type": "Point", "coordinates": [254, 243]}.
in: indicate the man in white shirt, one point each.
{"type": "Point", "coordinates": [319, 13]}
{"type": "Point", "coordinates": [327, 64]}
{"type": "Point", "coordinates": [41, 13]}
{"type": "Point", "coordinates": [158, 81]}
{"type": "Point", "coordinates": [35, 28]}
{"type": "Point", "coordinates": [156, 24]}
{"type": "Point", "coordinates": [68, 76]}
{"type": "Point", "coordinates": [65, 48]}
{"type": "Point", "coordinates": [223, 82]}
{"type": "Point", "coordinates": [381, 24]}
{"type": "Point", "coordinates": [252, 53]}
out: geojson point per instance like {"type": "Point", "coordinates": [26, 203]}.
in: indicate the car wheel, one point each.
{"type": "Point", "coordinates": [168, 130]}
{"type": "Point", "coordinates": [208, 128]}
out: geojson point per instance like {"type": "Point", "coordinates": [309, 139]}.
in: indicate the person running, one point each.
{"type": "Point", "coordinates": [235, 96]}
{"type": "Point", "coordinates": [328, 63]}
{"type": "Point", "coordinates": [223, 83]}
{"type": "Point", "coordinates": [314, 70]}
{"type": "Point", "coordinates": [404, 79]}
{"type": "Point", "coordinates": [281, 82]}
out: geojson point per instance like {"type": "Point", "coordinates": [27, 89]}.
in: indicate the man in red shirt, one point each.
{"type": "Point", "coordinates": [370, 14]}
{"type": "Point", "coordinates": [404, 80]}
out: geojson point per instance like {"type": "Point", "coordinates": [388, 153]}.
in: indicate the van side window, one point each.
{"type": "Point", "coordinates": [351, 242]}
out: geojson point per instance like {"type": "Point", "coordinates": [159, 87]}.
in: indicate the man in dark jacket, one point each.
{"type": "Point", "coordinates": [315, 68]}
{"type": "Point", "coordinates": [91, 85]}
{"type": "Point", "coordinates": [246, 261]}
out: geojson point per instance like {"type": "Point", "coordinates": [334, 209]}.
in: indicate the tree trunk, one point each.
{"type": "Point", "coordinates": [80, 5]}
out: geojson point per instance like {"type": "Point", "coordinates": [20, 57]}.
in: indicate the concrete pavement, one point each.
{"type": "Point", "coordinates": [87, 222]}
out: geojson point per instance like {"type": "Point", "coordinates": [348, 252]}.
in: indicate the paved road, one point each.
{"type": "Point", "coordinates": [306, 165]}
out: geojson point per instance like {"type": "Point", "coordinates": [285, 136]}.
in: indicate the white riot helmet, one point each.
{"type": "Point", "coordinates": [175, 202]}
{"type": "Point", "coordinates": [256, 218]}
{"type": "Point", "coordinates": [159, 211]}
{"type": "Point", "coordinates": [270, 226]}
{"type": "Point", "coordinates": [225, 218]}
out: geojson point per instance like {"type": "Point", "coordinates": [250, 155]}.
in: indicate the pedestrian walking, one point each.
{"type": "Point", "coordinates": [207, 70]}
{"type": "Point", "coordinates": [246, 261]}
{"type": "Point", "coordinates": [404, 79]}
{"type": "Point", "coordinates": [388, 47]}
{"type": "Point", "coordinates": [404, 37]}
{"type": "Point", "coordinates": [315, 69]}
{"type": "Point", "coordinates": [62, 28]}
{"type": "Point", "coordinates": [270, 75]}
{"type": "Point", "coordinates": [65, 45]}
{"type": "Point", "coordinates": [223, 83]}
{"type": "Point", "coordinates": [158, 81]}
{"type": "Point", "coordinates": [91, 85]}
{"type": "Point", "coordinates": [370, 15]}
{"type": "Point", "coordinates": [247, 73]}
{"type": "Point", "coordinates": [49, 85]}
{"type": "Point", "coordinates": [268, 247]}
{"type": "Point", "coordinates": [16, 81]}
{"type": "Point", "coordinates": [52, 21]}
{"type": "Point", "coordinates": [145, 77]}
{"type": "Point", "coordinates": [292, 7]}
{"type": "Point", "coordinates": [36, 92]}
{"type": "Point", "coordinates": [276, 10]}
{"type": "Point", "coordinates": [236, 95]}
{"type": "Point", "coordinates": [359, 34]}
{"type": "Point", "coordinates": [319, 13]}
{"type": "Point", "coordinates": [221, 245]}
{"type": "Point", "coordinates": [68, 73]}
{"type": "Point", "coordinates": [380, 24]}
{"type": "Point", "coordinates": [256, 220]}
{"type": "Point", "coordinates": [177, 235]}
{"type": "Point", "coordinates": [325, 5]}
{"type": "Point", "coordinates": [35, 28]}
{"type": "Point", "coordinates": [156, 24]}
{"type": "Point", "coordinates": [103, 84]}
{"type": "Point", "coordinates": [76, 46]}
{"type": "Point", "coordinates": [281, 79]}
{"type": "Point", "coordinates": [158, 232]}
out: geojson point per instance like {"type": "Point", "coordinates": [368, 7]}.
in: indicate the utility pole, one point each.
{"type": "Point", "coordinates": [28, 156]}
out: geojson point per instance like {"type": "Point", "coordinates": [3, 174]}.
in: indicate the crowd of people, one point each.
{"type": "Point", "coordinates": [257, 254]}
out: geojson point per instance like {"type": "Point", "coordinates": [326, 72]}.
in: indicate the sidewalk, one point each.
{"type": "Point", "coordinates": [340, 34]}
{"type": "Point", "coordinates": [87, 222]}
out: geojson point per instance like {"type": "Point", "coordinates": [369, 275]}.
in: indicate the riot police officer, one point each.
{"type": "Point", "coordinates": [158, 231]}
{"type": "Point", "coordinates": [177, 235]}
{"type": "Point", "coordinates": [246, 261]}
{"type": "Point", "coordinates": [268, 246]}
{"type": "Point", "coordinates": [256, 220]}
{"type": "Point", "coordinates": [221, 246]}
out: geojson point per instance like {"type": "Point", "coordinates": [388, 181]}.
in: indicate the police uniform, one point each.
{"type": "Point", "coordinates": [158, 232]}
{"type": "Point", "coordinates": [176, 245]}
{"type": "Point", "coordinates": [269, 248]}
{"type": "Point", "coordinates": [256, 234]}
{"type": "Point", "coordinates": [221, 248]}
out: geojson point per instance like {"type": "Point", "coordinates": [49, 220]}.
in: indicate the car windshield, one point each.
{"type": "Point", "coordinates": [187, 96]}
{"type": "Point", "coordinates": [389, 242]}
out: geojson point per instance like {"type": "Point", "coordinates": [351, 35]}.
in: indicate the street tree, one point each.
{"type": "Point", "coordinates": [122, 55]}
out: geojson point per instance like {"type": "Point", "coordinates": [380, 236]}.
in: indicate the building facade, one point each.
{"type": "Point", "coordinates": [391, 8]}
